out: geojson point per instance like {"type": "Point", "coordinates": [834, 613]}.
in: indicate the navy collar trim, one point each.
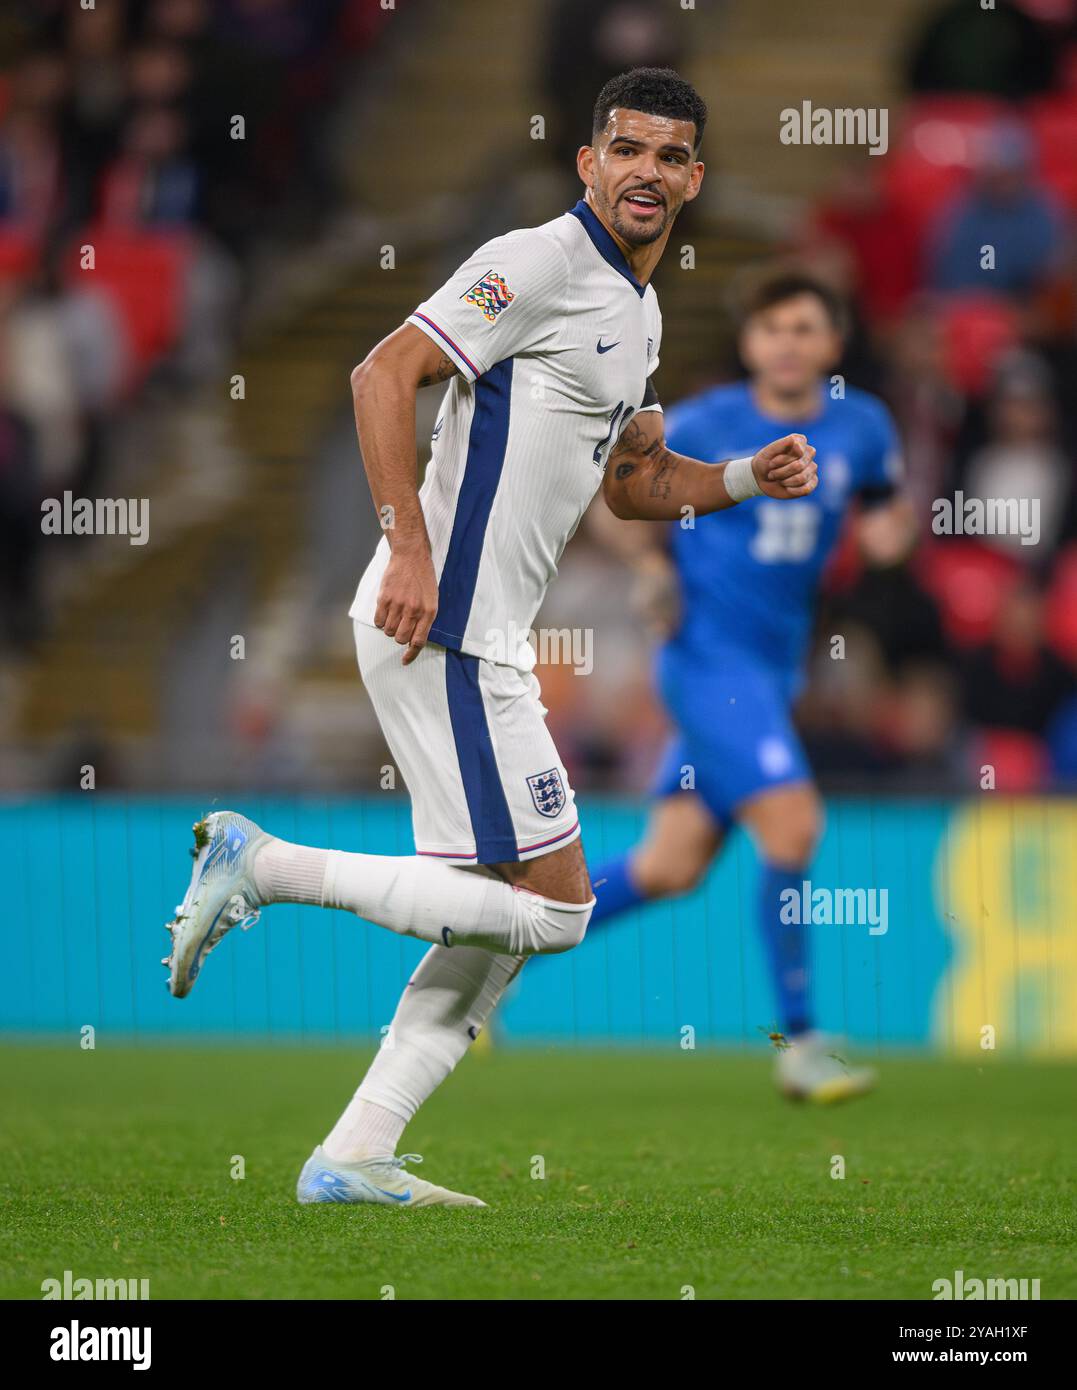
{"type": "Point", "coordinates": [605, 245]}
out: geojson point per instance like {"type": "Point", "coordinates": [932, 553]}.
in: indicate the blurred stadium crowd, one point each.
{"type": "Point", "coordinates": [964, 656]}
{"type": "Point", "coordinates": [118, 131]}
{"type": "Point", "coordinates": [111, 127]}
{"type": "Point", "coordinates": [970, 648]}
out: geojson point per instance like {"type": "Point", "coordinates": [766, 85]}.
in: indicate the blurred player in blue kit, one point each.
{"type": "Point", "coordinates": [734, 597]}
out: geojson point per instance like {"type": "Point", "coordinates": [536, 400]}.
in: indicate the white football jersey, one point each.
{"type": "Point", "coordinates": [554, 340]}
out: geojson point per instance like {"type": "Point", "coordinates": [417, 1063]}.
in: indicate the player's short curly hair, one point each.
{"type": "Point", "coordinates": [656, 91]}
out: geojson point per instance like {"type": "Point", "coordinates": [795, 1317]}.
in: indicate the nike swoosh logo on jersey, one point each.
{"type": "Point", "coordinates": [608, 347]}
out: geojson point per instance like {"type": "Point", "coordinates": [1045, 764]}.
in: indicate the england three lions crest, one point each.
{"type": "Point", "coordinates": [547, 792]}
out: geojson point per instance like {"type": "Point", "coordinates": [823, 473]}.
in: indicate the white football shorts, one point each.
{"type": "Point", "coordinates": [470, 739]}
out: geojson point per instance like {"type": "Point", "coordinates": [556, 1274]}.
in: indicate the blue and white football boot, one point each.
{"type": "Point", "coordinates": [221, 894]}
{"type": "Point", "coordinates": [382, 1182]}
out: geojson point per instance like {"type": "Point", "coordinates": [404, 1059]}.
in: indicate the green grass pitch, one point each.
{"type": "Point", "coordinates": [662, 1170]}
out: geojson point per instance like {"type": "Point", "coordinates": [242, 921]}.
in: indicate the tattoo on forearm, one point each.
{"type": "Point", "coordinates": [444, 369]}
{"type": "Point", "coordinates": [663, 477]}
{"type": "Point", "coordinates": [635, 440]}
{"type": "Point", "coordinates": [639, 449]}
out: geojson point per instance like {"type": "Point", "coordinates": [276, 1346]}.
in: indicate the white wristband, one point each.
{"type": "Point", "coordinates": [740, 481]}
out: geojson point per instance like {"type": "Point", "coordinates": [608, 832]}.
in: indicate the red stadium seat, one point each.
{"type": "Point", "coordinates": [19, 252]}
{"type": "Point", "coordinates": [886, 246]}
{"type": "Point", "coordinates": [1061, 611]}
{"type": "Point", "coordinates": [846, 564]}
{"type": "Point", "coordinates": [976, 330]}
{"type": "Point", "coordinates": [1053, 122]}
{"type": "Point", "coordinates": [969, 583]}
{"type": "Point", "coordinates": [935, 150]}
{"type": "Point", "coordinates": [144, 273]}
{"type": "Point", "coordinates": [1019, 759]}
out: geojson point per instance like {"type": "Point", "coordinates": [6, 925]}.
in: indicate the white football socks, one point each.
{"type": "Point", "coordinates": [421, 897]}
{"type": "Point", "coordinates": [448, 999]}
{"type": "Point", "coordinates": [364, 1131]}
{"type": "Point", "coordinates": [286, 873]}
{"type": "Point", "coordinates": [482, 930]}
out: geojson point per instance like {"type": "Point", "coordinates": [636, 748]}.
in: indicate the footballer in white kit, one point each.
{"type": "Point", "coordinates": [553, 339]}
{"type": "Point", "coordinates": [548, 337]}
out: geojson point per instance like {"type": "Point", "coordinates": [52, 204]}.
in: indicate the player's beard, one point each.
{"type": "Point", "coordinates": [630, 230]}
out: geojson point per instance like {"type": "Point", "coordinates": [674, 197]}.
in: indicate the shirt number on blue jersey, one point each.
{"type": "Point", "coordinates": [615, 415]}
{"type": "Point", "coordinates": [786, 533]}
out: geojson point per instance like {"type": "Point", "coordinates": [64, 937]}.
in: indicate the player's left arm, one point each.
{"type": "Point", "coordinates": [886, 531]}
{"type": "Point", "coordinates": [646, 481]}
{"type": "Point", "coordinates": [885, 525]}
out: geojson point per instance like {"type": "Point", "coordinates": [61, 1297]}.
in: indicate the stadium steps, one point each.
{"type": "Point", "coordinates": [697, 305]}
{"type": "Point", "coordinates": [486, 89]}
{"type": "Point", "coordinates": [109, 606]}
{"type": "Point", "coordinates": [853, 55]}
{"type": "Point", "coordinates": [300, 381]}
{"type": "Point", "coordinates": [231, 476]}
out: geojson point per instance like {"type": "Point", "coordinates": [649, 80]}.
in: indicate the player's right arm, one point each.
{"type": "Point", "coordinates": [645, 480]}
{"type": "Point", "coordinates": [505, 299]}
{"type": "Point", "coordinates": [384, 387]}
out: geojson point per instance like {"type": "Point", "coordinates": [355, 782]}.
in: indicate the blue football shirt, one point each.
{"type": "Point", "coordinates": [750, 575]}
